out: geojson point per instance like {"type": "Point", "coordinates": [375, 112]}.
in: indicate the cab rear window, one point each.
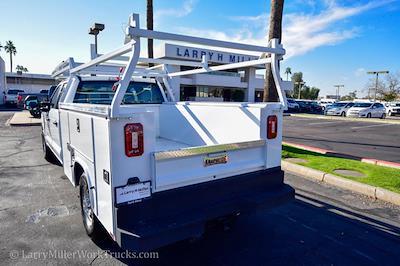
{"type": "Point", "coordinates": [101, 92]}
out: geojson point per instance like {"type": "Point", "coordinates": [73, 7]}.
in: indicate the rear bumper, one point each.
{"type": "Point", "coordinates": [178, 214]}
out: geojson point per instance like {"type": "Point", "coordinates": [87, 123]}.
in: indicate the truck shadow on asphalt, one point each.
{"type": "Point", "coordinates": [306, 231]}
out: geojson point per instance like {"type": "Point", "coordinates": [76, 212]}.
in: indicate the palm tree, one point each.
{"type": "Point", "coordinates": [287, 72]}
{"type": "Point", "coordinates": [21, 68]}
{"type": "Point", "coordinates": [275, 31]}
{"type": "Point", "coordinates": [150, 27]}
{"type": "Point", "coordinates": [10, 48]}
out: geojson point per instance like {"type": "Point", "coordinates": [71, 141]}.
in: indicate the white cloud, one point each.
{"type": "Point", "coordinates": [360, 72]}
{"type": "Point", "coordinates": [186, 9]}
{"type": "Point", "coordinates": [301, 32]}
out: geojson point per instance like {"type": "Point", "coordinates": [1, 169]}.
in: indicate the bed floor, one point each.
{"type": "Point", "coordinates": [169, 145]}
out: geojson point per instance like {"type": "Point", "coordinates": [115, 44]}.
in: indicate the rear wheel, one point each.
{"type": "Point", "coordinates": [369, 115]}
{"type": "Point", "coordinates": [383, 116]}
{"type": "Point", "coordinates": [90, 222]}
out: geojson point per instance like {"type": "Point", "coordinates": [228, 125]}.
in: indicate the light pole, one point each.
{"type": "Point", "coordinates": [95, 30]}
{"type": "Point", "coordinates": [301, 84]}
{"type": "Point", "coordinates": [337, 90]}
{"type": "Point", "coordinates": [376, 73]}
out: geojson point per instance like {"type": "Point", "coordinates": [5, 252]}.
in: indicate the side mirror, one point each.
{"type": "Point", "coordinates": [44, 106]}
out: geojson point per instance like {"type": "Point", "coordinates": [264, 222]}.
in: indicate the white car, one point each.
{"type": "Point", "coordinates": [367, 109]}
{"type": "Point", "coordinates": [339, 108]}
{"type": "Point", "coordinates": [324, 103]}
{"type": "Point", "coordinates": [393, 109]}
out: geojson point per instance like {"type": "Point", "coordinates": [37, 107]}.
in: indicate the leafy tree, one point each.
{"type": "Point", "coordinates": [275, 31]}
{"type": "Point", "coordinates": [297, 79]}
{"type": "Point", "coordinates": [351, 96]}
{"type": "Point", "coordinates": [309, 93]}
{"type": "Point", "coordinates": [12, 50]}
{"type": "Point", "coordinates": [388, 89]}
{"type": "Point", "coordinates": [314, 92]}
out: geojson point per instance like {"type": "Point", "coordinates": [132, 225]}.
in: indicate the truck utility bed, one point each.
{"type": "Point", "coordinates": [151, 169]}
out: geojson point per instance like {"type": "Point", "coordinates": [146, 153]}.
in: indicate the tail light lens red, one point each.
{"type": "Point", "coordinates": [19, 98]}
{"type": "Point", "coordinates": [272, 127]}
{"type": "Point", "coordinates": [134, 144]}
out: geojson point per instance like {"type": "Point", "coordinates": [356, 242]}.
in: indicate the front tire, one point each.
{"type": "Point", "coordinates": [343, 114]}
{"type": "Point", "coordinates": [383, 116]}
{"type": "Point", "coordinates": [369, 115]}
{"type": "Point", "coordinates": [90, 222]}
{"type": "Point", "coordinates": [47, 153]}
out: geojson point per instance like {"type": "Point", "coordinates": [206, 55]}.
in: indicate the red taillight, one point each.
{"type": "Point", "coordinates": [272, 127]}
{"type": "Point", "coordinates": [19, 98]}
{"type": "Point", "coordinates": [134, 144]}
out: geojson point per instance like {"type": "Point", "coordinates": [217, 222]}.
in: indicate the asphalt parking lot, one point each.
{"type": "Point", "coordinates": [358, 138]}
{"type": "Point", "coordinates": [39, 212]}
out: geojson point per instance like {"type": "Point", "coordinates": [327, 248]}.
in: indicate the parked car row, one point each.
{"type": "Point", "coordinates": [304, 106]}
{"type": "Point", "coordinates": [27, 101]}
{"type": "Point", "coordinates": [365, 109]}
{"type": "Point", "coordinates": [357, 108]}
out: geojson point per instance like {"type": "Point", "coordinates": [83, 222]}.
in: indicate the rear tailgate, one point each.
{"type": "Point", "coordinates": [189, 166]}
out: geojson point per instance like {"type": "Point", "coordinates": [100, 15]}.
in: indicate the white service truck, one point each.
{"type": "Point", "coordinates": [151, 170]}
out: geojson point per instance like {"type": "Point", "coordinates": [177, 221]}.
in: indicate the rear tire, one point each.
{"type": "Point", "coordinates": [90, 222]}
{"type": "Point", "coordinates": [369, 115]}
{"type": "Point", "coordinates": [383, 116]}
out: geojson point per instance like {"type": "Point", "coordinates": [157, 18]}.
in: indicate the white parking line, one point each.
{"type": "Point", "coordinates": [372, 126]}
{"type": "Point", "coordinates": [325, 122]}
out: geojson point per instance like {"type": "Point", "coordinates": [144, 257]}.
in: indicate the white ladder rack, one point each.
{"type": "Point", "coordinates": [115, 63]}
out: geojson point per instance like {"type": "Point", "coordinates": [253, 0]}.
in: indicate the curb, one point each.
{"type": "Point", "coordinates": [343, 155]}
{"type": "Point", "coordinates": [341, 182]}
{"type": "Point", "coordinates": [23, 119]}
{"type": "Point", "coordinates": [302, 170]}
{"type": "Point", "coordinates": [373, 120]}
{"type": "Point", "coordinates": [306, 147]}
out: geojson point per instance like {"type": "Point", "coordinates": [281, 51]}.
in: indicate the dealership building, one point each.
{"type": "Point", "coordinates": [238, 85]}
{"type": "Point", "coordinates": [242, 85]}
{"type": "Point", "coordinates": [28, 82]}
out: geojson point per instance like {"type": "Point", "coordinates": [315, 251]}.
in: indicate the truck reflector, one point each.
{"type": "Point", "coordinates": [134, 144]}
{"type": "Point", "coordinates": [272, 127]}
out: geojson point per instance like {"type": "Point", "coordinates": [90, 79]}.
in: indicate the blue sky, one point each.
{"type": "Point", "coordinates": [331, 42]}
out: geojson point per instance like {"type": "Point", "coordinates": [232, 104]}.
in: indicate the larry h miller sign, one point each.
{"type": "Point", "coordinates": [194, 53]}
